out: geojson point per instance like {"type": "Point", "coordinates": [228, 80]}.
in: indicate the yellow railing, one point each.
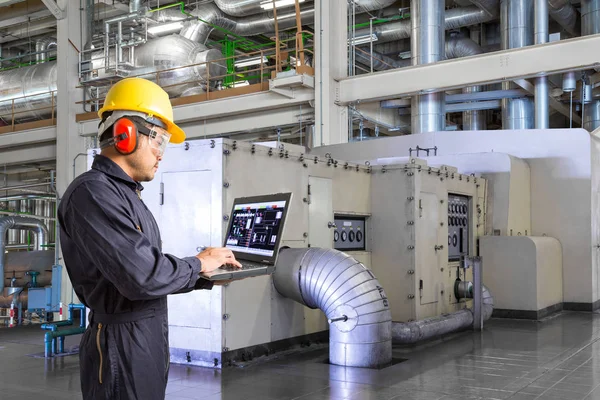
{"type": "Point", "coordinates": [15, 109]}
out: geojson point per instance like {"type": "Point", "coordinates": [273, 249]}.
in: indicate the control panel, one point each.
{"type": "Point", "coordinates": [349, 233]}
{"type": "Point", "coordinates": [459, 224]}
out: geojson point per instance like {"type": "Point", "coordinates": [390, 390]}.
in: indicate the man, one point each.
{"type": "Point", "coordinates": [112, 249]}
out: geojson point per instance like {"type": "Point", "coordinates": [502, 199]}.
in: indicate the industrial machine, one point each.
{"type": "Point", "coordinates": [362, 246]}
{"type": "Point", "coordinates": [426, 221]}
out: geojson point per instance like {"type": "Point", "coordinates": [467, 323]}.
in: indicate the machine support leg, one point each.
{"type": "Point", "coordinates": [477, 293]}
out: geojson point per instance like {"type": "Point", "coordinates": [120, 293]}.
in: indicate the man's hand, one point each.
{"type": "Point", "coordinates": [215, 257]}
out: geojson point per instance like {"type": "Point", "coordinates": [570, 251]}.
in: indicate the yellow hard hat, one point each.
{"type": "Point", "coordinates": [137, 94]}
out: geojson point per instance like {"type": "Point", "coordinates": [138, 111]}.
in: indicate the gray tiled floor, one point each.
{"type": "Point", "coordinates": [518, 360]}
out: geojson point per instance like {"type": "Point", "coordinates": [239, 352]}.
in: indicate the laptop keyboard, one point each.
{"type": "Point", "coordinates": [245, 267]}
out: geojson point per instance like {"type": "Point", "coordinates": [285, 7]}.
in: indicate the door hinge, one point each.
{"type": "Point", "coordinates": [162, 193]}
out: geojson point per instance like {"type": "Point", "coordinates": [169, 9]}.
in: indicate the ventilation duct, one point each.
{"type": "Point", "coordinates": [563, 12]}
{"type": "Point", "coordinates": [349, 295]}
{"type": "Point", "coordinates": [590, 25]}
{"type": "Point", "coordinates": [41, 48]}
{"type": "Point", "coordinates": [516, 18]}
{"type": "Point", "coordinates": [454, 18]}
{"type": "Point", "coordinates": [433, 328]}
{"type": "Point", "coordinates": [244, 8]}
{"type": "Point", "coordinates": [427, 17]}
{"type": "Point", "coordinates": [198, 31]}
{"type": "Point", "coordinates": [32, 224]}
{"type": "Point", "coordinates": [458, 47]}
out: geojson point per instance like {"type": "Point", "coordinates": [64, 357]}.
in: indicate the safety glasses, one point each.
{"type": "Point", "coordinates": [159, 139]}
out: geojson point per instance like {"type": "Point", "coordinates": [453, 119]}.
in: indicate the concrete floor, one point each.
{"type": "Point", "coordinates": [558, 358]}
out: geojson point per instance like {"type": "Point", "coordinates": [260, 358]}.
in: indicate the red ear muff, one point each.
{"type": "Point", "coordinates": [125, 136]}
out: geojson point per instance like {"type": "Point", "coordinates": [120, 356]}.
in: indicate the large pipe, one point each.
{"type": "Point", "coordinates": [542, 103]}
{"type": "Point", "coordinates": [435, 327]}
{"type": "Point", "coordinates": [244, 8]}
{"type": "Point", "coordinates": [590, 25]}
{"type": "Point", "coordinates": [563, 12]}
{"type": "Point", "coordinates": [6, 301]}
{"type": "Point", "coordinates": [427, 18]}
{"type": "Point", "coordinates": [458, 47]}
{"type": "Point", "coordinates": [35, 225]}
{"type": "Point", "coordinates": [516, 18]}
{"type": "Point", "coordinates": [42, 47]}
{"type": "Point", "coordinates": [453, 18]}
{"type": "Point", "coordinates": [349, 295]}
{"type": "Point", "coordinates": [198, 31]}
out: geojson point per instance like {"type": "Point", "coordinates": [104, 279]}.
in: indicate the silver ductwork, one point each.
{"type": "Point", "coordinates": [516, 18]}
{"type": "Point", "coordinates": [198, 31]}
{"type": "Point", "coordinates": [542, 103]}
{"type": "Point", "coordinates": [32, 224]}
{"type": "Point", "coordinates": [458, 47]}
{"type": "Point", "coordinates": [435, 327]}
{"type": "Point", "coordinates": [453, 18]}
{"type": "Point", "coordinates": [134, 6]}
{"type": "Point", "coordinates": [428, 112]}
{"type": "Point", "coordinates": [563, 12]}
{"type": "Point", "coordinates": [349, 295]}
{"type": "Point", "coordinates": [42, 47]}
{"type": "Point", "coordinates": [36, 82]}
{"type": "Point", "coordinates": [168, 52]}
{"type": "Point", "coordinates": [244, 8]}
{"type": "Point", "coordinates": [590, 25]}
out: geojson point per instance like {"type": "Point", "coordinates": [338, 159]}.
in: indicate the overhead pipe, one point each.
{"type": "Point", "coordinates": [244, 8]}
{"type": "Point", "coordinates": [516, 19]}
{"type": "Point", "coordinates": [428, 42]}
{"type": "Point", "coordinates": [453, 18]}
{"type": "Point", "coordinates": [590, 25]}
{"type": "Point", "coordinates": [350, 296]}
{"type": "Point", "coordinates": [42, 47]}
{"type": "Point", "coordinates": [435, 327]}
{"type": "Point", "coordinates": [457, 47]}
{"type": "Point", "coordinates": [567, 16]}
{"type": "Point", "coordinates": [33, 224]}
{"type": "Point", "coordinates": [198, 31]}
{"type": "Point", "coordinates": [542, 103]}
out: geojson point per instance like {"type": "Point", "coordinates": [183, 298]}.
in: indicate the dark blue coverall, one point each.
{"type": "Point", "coordinates": [111, 247]}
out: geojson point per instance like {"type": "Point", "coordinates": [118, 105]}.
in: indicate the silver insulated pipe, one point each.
{"type": "Point", "coordinates": [563, 12]}
{"type": "Point", "coordinates": [516, 18]}
{"type": "Point", "coordinates": [6, 223]}
{"type": "Point", "coordinates": [542, 103]}
{"type": "Point", "coordinates": [435, 327]}
{"type": "Point", "coordinates": [427, 43]}
{"type": "Point", "coordinates": [42, 47]}
{"type": "Point", "coordinates": [351, 298]}
{"type": "Point", "coordinates": [590, 25]}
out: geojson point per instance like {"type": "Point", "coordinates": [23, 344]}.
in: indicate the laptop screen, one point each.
{"type": "Point", "coordinates": [256, 226]}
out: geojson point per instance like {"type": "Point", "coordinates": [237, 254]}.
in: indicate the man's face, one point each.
{"type": "Point", "coordinates": [144, 162]}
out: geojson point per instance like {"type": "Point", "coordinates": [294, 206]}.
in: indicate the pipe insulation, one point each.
{"type": "Point", "coordinates": [516, 19]}
{"type": "Point", "coordinates": [242, 8]}
{"type": "Point", "coordinates": [563, 12]}
{"type": "Point", "coordinates": [458, 47]}
{"type": "Point", "coordinates": [32, 224]}
{"type": "Point", "coordinates": [350, 296]}
{"type": "Point", "coordinates": [198, 30]}
{"type": "Point", "coordinates": [542, 103]}
{"type": "Point", "coordinates": [590, 25]}
{"type": "Point", "coordinates": [453, 18]}
{"type": "Point", "coordinates": [435, 327]}
{"type": "Point", "coordinates": [428, 111]}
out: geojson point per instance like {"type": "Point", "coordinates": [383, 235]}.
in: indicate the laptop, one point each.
{"type": "Point", "coordinates": [256, 225]}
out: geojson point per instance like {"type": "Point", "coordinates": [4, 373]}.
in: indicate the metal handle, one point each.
{"type": "Point", "coordinates": [343, 318]}
{"type": "Point", "coordinates": [331, 225]}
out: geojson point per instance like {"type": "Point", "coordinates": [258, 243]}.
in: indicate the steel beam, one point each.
{"type": "Point", "coordinates": [527, 62]}
{"type": "Point", "coordinates": [223, 112]}
{"type": "Point", "coordinates": [54, 9]}
{"type": "Point", "coordinates": [26, 155]}
{"type": "Point", "coordinates": [31, 136]}
{"type": "Point", "coordinates": [464, 97]}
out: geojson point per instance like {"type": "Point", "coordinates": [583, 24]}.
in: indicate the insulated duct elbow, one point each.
{"type": "Point", "coordinates": [42, 47]}
{"type": "Point", "coordinates": [349, 295]}
{"type": "Point", "coordinates": [32, 224]}
{"type": "Point", "coordinates": [458, 47]}
{"type": "Point", "coordinates": [198, 30]}
{"type": "Point", "coordinates": [563, 12]}
{"type": "Point", "coordinates": [435, 327]}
